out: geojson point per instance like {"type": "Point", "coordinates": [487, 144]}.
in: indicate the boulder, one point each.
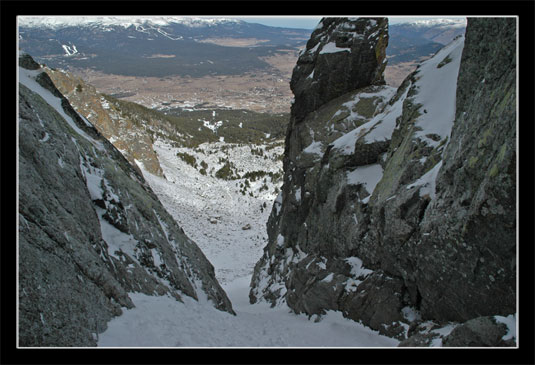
{"type": "Point", "coordinates": [478, 332]}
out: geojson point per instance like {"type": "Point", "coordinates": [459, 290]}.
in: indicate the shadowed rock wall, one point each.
{"type": "Point", "coordinates": [90, 228]}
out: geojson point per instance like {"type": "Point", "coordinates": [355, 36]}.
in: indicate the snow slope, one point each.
{"type": "Point", "coordinates": [164, 322]}
{"type": "Point", "coordinates": [195, 200]}
{"type": "Point", "coordinates": [213, 213]}
{"type": "Point", "coordinates": [437, 86]}
{"type": "Point", "coordinates": [27, 78]}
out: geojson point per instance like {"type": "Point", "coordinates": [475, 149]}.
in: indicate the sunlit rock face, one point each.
{"type": "Point", "coordinates": [127, 132]}
{"type": "Point", "coordinates": [398, 206]}
{"type": "Point", "coordinates": [91, 230]}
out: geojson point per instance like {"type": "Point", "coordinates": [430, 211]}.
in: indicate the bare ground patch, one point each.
{"type": "Point", "coordinates": [395, 74]}
{"type": "Point", "coordinates": [234, 42]}
{"type": "Point", "coordinates": [262, 91]}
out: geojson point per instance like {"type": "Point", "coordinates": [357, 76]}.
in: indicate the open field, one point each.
{"type": "Point", "coordinates": [260, 91]}
{"type": "Point", "coordinates": [395, 74]}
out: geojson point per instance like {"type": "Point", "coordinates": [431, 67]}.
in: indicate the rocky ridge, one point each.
{"type": "Point", "coordinates": [91, 230]}
{"type": "Point", "coordinates": [398, 206]}
{"type": "Point", "coordinates": [126, 133]}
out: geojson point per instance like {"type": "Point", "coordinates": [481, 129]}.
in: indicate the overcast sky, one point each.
{"type": "Point", "coordinates": [310, 22]}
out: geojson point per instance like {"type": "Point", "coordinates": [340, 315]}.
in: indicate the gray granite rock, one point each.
{"type": "Point", "coordinates": [477, 332]}
{"type": "Point", "coordinates": [437, 226]}
{"type": "Point", "coordinates": [343, 54]}
{"type": "Point", "coordinates": [90, 229]}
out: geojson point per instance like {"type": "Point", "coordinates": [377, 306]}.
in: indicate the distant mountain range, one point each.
{"type": "Point", "coordinates": [423, 38]}
{"type": "Point", "coordinates": [194, 46]}
{"type": "Point", "coordinates": [437, 30]}
{"type": "Point", "coordinates": [155, 46]}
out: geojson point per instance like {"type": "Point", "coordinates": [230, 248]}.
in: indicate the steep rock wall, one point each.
{"type": "Point", "coordinates": [310, 228]}
{"type": "Point", "coordinates": [471, 225]}
{"type": "Point", "coordinates": [410, 209]}
{"type": "Point", "coordinates": [90, 228]}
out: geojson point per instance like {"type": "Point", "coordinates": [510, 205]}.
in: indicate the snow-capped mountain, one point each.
{"type": "Point", "coordinates": [421, 38]}
{"type": "Point", "coordinates": [57, 22]}
{"type": "Point", "coordinates": [169, 45]}
{"type": "Point", "coordinates": [435, 30]}
{"type": "Point", "coordinates": [439, 22]}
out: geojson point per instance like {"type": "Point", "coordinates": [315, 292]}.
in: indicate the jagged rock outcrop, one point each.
{"type": "Point", "coordinates": [340, 56]}
{"type": "Point", "coordinates": [125, 133]}
{"type": "Point", "coordinates": [90, 228]}
{"type": "Point", "coordinates": [309, 259]}
{"type": "Point", "coordinates": [407, 214]}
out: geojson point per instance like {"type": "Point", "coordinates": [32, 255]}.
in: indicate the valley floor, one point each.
{"type": "Point", "coordinates": [213, 213]}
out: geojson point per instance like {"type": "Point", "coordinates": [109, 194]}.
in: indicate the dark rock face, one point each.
{"type": "Point", "coordinates": [409, 208]}
{"type": "Point", "coordinates": [90, 229]}
{"type": "Point", "coordinates": [26, 61]}
{"type": "Point", "coordinates": [310, 258]}
{"type": "Point", "coordinates": [472, 223]}
{"type": "Point", "coordinates": [343, 54]}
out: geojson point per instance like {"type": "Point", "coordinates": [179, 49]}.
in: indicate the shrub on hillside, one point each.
{"type": "Point", "coordinates": [187, 158]}
{"type": "Point", "coordinates": [226, 172]}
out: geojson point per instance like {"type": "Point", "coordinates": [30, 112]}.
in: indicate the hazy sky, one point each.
{"type": "Point", "coordinates": [310, 22]}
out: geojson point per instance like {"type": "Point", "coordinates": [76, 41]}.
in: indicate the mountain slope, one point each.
{"type": "Point", "coordinates": [91, 230]}
{"type": "Point", "coordinates": [132, 127]}
{"type": "Point", "coordinates": [127, 134]}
